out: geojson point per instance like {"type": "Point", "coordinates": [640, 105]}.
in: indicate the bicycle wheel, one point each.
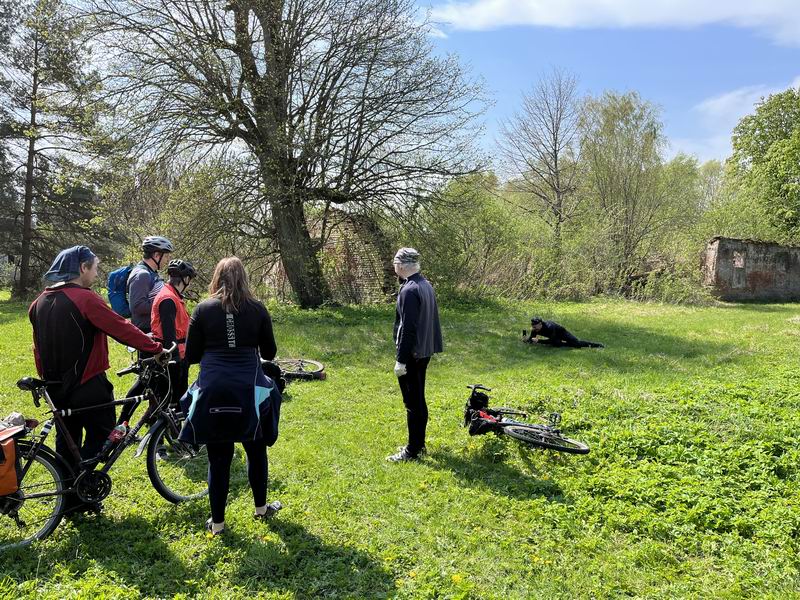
{"type": "Point", "coordinates": [542, 437]}
{"type": "Point", "coordinates": [178, 471]}
{"type": "Point", "coordinates": [35, 510]}
{"type": "Point", "coordinates": [301, 368]}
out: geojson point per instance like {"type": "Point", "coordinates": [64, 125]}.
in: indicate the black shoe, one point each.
{"type": "Point", "coordinates": [272, 510]}
{"type": "Point", "coordinates": [210, 531]}
{"type": "Point", "coordinates": [405, 455]}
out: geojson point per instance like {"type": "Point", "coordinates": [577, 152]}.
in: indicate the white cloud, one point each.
{"type": "Point", "coordinates": [779, 19]}
{"type": "Point", "coordinates": [718, 115]}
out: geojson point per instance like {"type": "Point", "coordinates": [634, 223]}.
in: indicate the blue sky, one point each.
{"type": "Point", "coordinates": [703, 62]}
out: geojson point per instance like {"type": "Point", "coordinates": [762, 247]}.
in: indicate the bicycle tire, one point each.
{"type": "Point", "coordinates": [46, 470]}
{"type": "Point", "coordinates": [541, 437]}
{"type": "Point", "coordinates": [300, 368]}
{"type": "Point", "coordinates": [177, 471]}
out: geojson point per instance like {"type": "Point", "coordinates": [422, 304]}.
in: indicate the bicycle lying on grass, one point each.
{"type": "Point", "coordinates": [284, 370]}
{"type": "Point", "coordinates": [299, 368]}
{"type": "Point", "coordinates": [46, 481]}
{"type": "Point", "coordinates": [481, 420]}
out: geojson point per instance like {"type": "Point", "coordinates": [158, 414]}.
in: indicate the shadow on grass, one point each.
{"type": "Point", "coordinates": [139, 555]}
{"type": "Point", "coordinates": [304, 565]}
{"type": "Point", "coordinates": [487, 469]}
{"type": "Point", "coordinates": [786, 307]}
{"type": "Point", "coordinates": [124, 546]}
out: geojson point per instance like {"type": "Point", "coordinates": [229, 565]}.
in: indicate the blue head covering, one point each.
{"type": "Point", "coordinates": [67, 265]}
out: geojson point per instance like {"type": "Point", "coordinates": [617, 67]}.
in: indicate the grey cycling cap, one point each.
{"type": "Point", "coordinates": [406, 256]}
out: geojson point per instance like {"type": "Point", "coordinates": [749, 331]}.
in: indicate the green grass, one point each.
{"type": "Point", "coordinates": [691, 488]}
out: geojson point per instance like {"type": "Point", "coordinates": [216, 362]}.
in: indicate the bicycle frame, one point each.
{"type": "Point", "coordinates": [87, 465]}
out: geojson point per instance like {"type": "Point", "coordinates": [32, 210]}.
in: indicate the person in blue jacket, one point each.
{"type": "Point", "coordinates": [232, 400]}
{"type": "Point", "coordinates": [417, 336]}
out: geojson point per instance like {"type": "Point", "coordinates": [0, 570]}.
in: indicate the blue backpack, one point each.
{"type": "Point", "coordinates": [118, 290]}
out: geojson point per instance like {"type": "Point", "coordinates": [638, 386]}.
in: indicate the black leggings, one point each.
{"type": "Point", "coordinates": [220, 456]}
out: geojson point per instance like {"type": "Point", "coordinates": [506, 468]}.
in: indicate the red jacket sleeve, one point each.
{"type": "Point", "coordinates": [106, 320]}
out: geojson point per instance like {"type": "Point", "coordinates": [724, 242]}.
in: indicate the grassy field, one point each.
{"type": "Point", "coordinates": [691, 488]}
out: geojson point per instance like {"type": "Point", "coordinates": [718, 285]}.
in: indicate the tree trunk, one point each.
{"type": "Point", "coordinates": [298, 254]}
{"type": "Point", "coordinates": [24, 284]}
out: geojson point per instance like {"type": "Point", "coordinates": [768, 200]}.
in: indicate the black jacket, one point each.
{"type": "Point", "coordinates": [417, 333]}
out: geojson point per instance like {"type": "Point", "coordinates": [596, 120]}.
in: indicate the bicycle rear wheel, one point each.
{"type": "Point", "coordinates": [178, 471]}
{"type": "Point", "coordinates": [301, 368]}
{"type": "Point", "coordinates": [35, 510]}
{"type": "Point", "coordinates": [544, 438]}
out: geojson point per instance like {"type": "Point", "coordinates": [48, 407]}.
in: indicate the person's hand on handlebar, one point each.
{"type": "Point", "coordinates": [165, 355]}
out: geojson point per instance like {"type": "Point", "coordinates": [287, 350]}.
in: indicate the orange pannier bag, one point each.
{"type": "Point", "coordinates": [8, 467]}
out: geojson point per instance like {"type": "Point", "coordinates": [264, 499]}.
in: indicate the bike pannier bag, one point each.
{"type": "Point", "coordinates": [8, 467]}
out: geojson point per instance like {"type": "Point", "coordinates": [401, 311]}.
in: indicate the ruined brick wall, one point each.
{"type": "Point", "coordinates": [748, 270]}
{"type": "Point", "coordinates": [352, 267]}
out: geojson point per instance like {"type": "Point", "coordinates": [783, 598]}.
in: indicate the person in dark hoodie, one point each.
{"type": "Point", "coordinates": [232, 400]}
{"type": "Point", "coordinates": [70, 328]}
{"type": "Point", "coordinates": [553, 334]}
{"type": "Point", "coordinates": [417, 336]}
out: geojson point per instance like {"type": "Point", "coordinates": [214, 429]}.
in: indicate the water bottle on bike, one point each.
{"type": "Point", "coordinates": [114, 438]}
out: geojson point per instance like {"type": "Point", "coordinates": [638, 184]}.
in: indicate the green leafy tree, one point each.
{"type": "Point", "coordinates": [49, 97]}
{"type": "Point", "coordinates": [776, 118]}
{"type": "Point", "coordinates": [764, 162]}
{"type": "Point", "coordinates": [778, 179]}
{"type": "Point", "coordinates": [622, 145]}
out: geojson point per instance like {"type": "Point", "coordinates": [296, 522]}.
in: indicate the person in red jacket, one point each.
{"type": "Point", "coordinates": [170, 322]}
{"type": "Point", "coordinates": [70, 328]}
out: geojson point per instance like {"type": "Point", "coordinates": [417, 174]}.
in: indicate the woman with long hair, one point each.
{"type": "Point", "coordinates": [232, 400]}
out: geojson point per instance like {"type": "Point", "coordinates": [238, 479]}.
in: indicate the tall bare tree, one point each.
{"type": "Point", "coordinates": [541, 146]}
{"type": "Point", "coordinates": [340, 102]}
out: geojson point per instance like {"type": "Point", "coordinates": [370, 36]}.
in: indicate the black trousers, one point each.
{"type": "Point", "coordinates": [220, 456]}
{"type": "Point", "coordinates": [412, 386]}
{"type": "Point", "coordinates": [95, 424]}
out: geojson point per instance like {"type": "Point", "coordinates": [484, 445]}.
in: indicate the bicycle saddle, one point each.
{"type": "Point", "coordinates": [30, 384]}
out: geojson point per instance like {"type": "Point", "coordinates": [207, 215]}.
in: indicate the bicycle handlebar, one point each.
{"type": "Point", "coordinates": [146, 361]}
{"type": "Point", "coordinates": [479, 387]}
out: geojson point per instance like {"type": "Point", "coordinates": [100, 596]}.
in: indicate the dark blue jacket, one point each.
{"type": "Point", "coordinates": [417, 333]}
{"type": "Point", "coordinates": [232, 400]}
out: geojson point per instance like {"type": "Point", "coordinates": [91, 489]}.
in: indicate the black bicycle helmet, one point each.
{"type": "Point", "coordinates": [156, 243]}
{"type": "Point", "coordinates": [181, 268]}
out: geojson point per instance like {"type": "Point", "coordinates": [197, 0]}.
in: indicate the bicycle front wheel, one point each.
{"type": "Point", "coordinates": [544, 438]}
{"type": "Point", "coordinates": [35, 510]}
{"type": "Point", "coordinates": [178, 471]}
{"type": "Point", "coordinates": [301, 368]}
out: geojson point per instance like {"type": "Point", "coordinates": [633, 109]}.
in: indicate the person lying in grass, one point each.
{"type": "Point", "coordinates": [553, 334]}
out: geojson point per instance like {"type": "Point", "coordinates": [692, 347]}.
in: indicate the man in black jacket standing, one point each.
{"type": "Point", "coordinates": [417, 336]}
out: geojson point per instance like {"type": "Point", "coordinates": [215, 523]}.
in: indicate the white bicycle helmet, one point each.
{"type": "Point", "coordinates": [156, 243]}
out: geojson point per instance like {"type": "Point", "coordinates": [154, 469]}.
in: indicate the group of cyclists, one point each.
{"type": "Point", "coordinates": [228, 334]}
{"type": "Point", "coordinates": [231, 332]}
